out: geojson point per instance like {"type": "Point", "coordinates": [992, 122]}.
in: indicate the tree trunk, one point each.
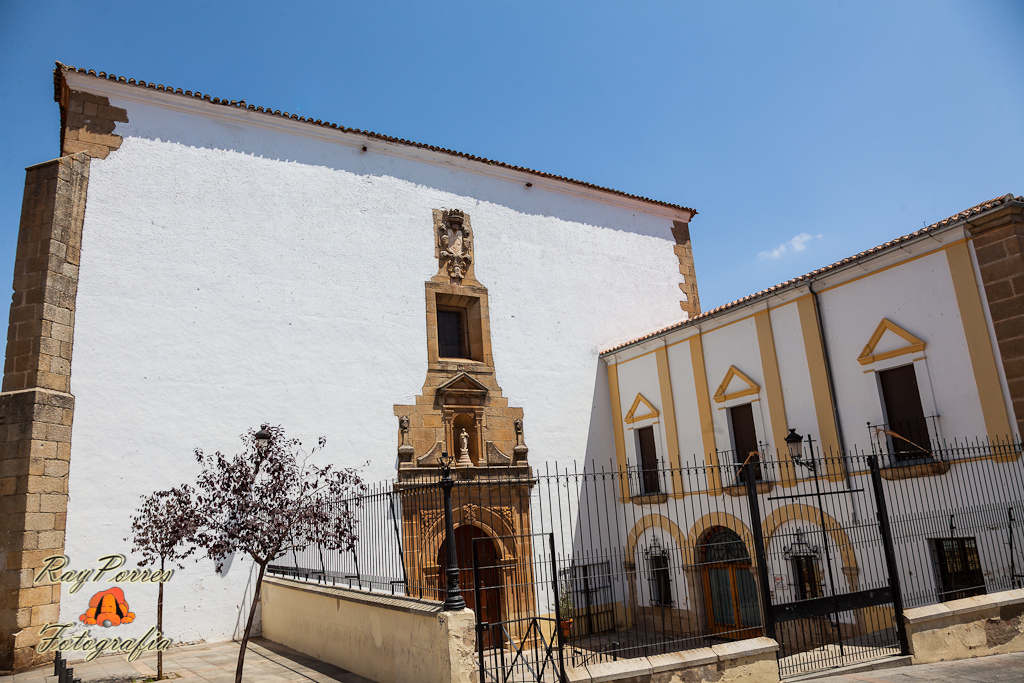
{"type": "Point", "coordinates": [160, 624]}
{"type": "Point", "coordinates": [248, 624]}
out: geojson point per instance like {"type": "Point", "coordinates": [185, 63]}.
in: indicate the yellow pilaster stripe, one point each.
{"type": "Point", "coordinates": [668, 414]}
{"type": "Point", "coordinates": [773, 391]}
{"type": "Point", "coordinates": [707, 424]}
{"type": "Point", "coordinates": [829, 435]}
{"type": "Point", "coordinates": [620, 437]}
{"type": "Point", "coordinates": [979, 344]}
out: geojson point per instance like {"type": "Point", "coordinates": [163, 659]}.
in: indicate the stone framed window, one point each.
{"type": "Point", "coordinates": [451, 333]}
{"type": "Point", "coordinates": [458, 330]}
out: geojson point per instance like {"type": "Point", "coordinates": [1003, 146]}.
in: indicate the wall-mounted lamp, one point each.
{"type": "Point", "coordinates": [795, 443]}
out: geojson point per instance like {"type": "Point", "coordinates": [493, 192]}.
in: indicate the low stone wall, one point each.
{"type": "Point", "coordinates": [743, 660]}
{"type": "Point", "coordinates": [385, 639]}
{"type": "Point", "coordinates": [972, 627]}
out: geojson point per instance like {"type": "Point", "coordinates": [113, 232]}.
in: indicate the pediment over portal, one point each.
{"type": "Point", "coordinates": [462, 385]}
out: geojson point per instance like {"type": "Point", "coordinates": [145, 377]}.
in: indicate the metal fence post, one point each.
{"type": "Point", "coordinates": [453, 595]}
{"type": "Point", "coordinates": [558, 607]}
{"type": "Point", "coordinates": [768, 616]}
{"type": "Point", "coordinates": [890, 553]}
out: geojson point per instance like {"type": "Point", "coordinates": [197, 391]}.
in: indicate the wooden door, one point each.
{"type": "Point", "coordinates": [730, 592]}
{"type": "Point", "coordinates": [490, 575]}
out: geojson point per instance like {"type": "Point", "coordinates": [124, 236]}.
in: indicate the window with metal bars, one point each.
{"type": "Point", "coordinates": [451, 334]}
{"type": "Point", "coordinates": [957, 568]}
{"type": "Point", "coordinates": [808, 583]}
{"type": "Point", "coordinates": [660, 578]}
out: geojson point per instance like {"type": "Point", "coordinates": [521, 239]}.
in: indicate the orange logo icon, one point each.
{"type": "Point", "coordinates": [108, 608]}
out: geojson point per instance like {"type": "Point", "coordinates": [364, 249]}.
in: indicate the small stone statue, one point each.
{"type": "Point", "coordinates": [405, 451]}
{"type": "Point", "coordinates": [403, 426]}
{"type": "Point", "coordinates": [520, 452]}
{"type": "Point", "coordinates": [464, 460]}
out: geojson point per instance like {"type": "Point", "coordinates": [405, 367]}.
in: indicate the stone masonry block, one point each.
{"type": "Point", "coordinates": [51, 539]}
{"type": "Point", "coordinates": [39, 521]}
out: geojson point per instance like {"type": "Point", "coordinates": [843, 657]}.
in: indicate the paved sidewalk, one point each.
{"type": "Point", "coordinates": [991, 669]}
{"type": "Point", "coordinates": [265, 662]}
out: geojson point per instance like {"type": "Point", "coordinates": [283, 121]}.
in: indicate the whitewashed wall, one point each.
{"type": "Point", "coordinates": [235, 272]}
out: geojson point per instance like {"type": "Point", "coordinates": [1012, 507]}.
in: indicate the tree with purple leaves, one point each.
{"type": "Point", "coordinates": [164, 531]}
{"type": "Point", "coordinates": [270, 500]}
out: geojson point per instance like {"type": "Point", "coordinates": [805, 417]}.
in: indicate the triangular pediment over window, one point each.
{"type": "Point", "coordinates": [641, 410]}
{"type": "Point", "coordinates": [889, 340]}
{"type": "Point", "coordinates": [462, 384]}
{"type": "Point", "coordinates": [735, 384]}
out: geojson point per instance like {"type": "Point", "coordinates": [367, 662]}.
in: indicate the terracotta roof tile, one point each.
{"type": "Point", "coordinates": [61, 69]}
{"type": "Point", "coordinates": [973, 211]}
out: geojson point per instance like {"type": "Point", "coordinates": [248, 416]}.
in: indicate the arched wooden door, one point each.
{"type": "Point", "coordinates": [730, 592]}
{"type": "Point", "coordinates": [490, 574]}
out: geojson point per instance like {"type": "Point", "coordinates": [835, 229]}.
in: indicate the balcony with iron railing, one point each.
{"type": "Point", "coordinates": [733, 464]}
{"type": "Point", "coordinates": [648, 484]}
{"type": "Point", "coordinates": [916, 448]}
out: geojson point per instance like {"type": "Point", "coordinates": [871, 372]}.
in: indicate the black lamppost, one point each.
{"type": "Point", "coordinates": [262, 438]}
{"type": "Point", "coordinates": [453, 595]}
{"type": "Point", "coordinates": [794, 442]}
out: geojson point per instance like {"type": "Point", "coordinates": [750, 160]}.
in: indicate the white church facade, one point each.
{"type": "Point", "coordinates": [191, 267]}
{"type": "Point", "coordinates": [218, 265]}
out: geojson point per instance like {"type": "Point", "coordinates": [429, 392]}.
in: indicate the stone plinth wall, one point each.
{"type": "Point", "coordinates": [742, 660]}
{"type": "Point", "coordinates": [972, 627]}
{"type": "Point", "coordinates": [383, 638]}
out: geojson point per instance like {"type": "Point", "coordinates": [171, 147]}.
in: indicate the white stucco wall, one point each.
{"type": "Point", "coordinates": [236, 272]}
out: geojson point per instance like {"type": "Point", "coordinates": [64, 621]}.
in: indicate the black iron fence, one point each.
{"type": "Point", "coordinates": [635, 567]}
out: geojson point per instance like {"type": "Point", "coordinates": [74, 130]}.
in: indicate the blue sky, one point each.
{"type": "Point", "coordinates": [802, 132]}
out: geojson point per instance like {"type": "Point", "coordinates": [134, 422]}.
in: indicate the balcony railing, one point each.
{"type": "Point", "coordinates": [907, 442]}
{"type": "Point", "coordinates": [647, 481]}
{"type": "Point", "coordinates": [733, 460]}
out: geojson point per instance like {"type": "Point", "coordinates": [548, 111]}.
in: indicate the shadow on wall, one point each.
{"type": "Point", "coordinates": [600, 454]}
{"type": "Point", "coordinates": [253, 140]}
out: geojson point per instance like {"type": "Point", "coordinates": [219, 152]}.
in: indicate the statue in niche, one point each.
{"type": "Point", "coordinates": [464, 449]}
{"type": "Point", "coordinates": [456, 243]}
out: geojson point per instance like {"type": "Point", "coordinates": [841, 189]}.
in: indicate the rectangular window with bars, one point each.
{"type": "Point", "coordinates": [957, 568]}
{"type": "Point", "coordinates": [808, 583]}
{"type": "Point", "coordinates": [451, 334]}
{"type": "Point", "coordinates": [661, 580]}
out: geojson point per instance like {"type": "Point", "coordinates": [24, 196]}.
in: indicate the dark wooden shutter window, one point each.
{"type": "Point", "coordinates": [904, 414]}
{"type": "Point", "coordinates": [648, 460]}
{"type": "Point", "coordinates": [744, 436]}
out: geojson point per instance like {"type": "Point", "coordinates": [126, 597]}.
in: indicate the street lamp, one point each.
{"type": "Point", "coordinates": [795, 443]}
{"type": "Point", "coordinates": [263, 438]}
{"type": "Point", "coordinates": [453, 599]}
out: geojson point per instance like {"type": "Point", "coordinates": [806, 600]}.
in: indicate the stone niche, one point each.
{"type": "Point", "coordinates": [461, 411]}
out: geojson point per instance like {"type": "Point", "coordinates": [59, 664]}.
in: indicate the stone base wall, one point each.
{"type": "Point", "coordinates": [742, 660]}
{"type": "Point", "coordinates": [972, 627]}
{"type": "Point", "coordinates": [382, 638]}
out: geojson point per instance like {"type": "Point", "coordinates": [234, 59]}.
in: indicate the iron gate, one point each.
{"type": "Point", "coordinates": [827, 569]}
{"type": "Point", "coordinates": [519, 634]}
